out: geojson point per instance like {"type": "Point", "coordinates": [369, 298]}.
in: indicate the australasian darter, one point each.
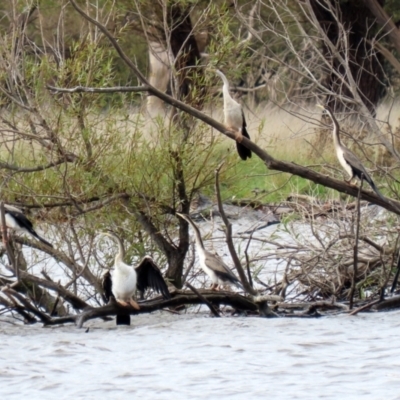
{"type": "Point", "coordinates": [16, 220]}
{"type": "Point", "coordinates": [234, 118]}
{"type": "Point", "coordinates": [210, 263]}
{"type": "Point", "coordinates": [349, 161]}
{"type": "Point", "coordinates": [125, 280]}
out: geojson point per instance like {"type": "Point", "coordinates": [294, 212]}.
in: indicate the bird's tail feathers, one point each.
{"type": "Point", "coordinates": [243, 151]}
{"type": "Point", "coordinates": [41, 239]}
{"type": "Point", "coordinates": [380, 195]}
{"type": "Point", "coordinates": [237, 283]}
{"type": "Point", "coordinates": [375, 189]}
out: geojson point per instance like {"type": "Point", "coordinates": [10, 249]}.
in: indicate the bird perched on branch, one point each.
{"type": "Point", "coordinates": [211, 264]}
{"type": "Point", "coordinates": [125, 280]}
{"type": "Point", "coordinates": [234, 118]}
{"type": "Point", "coordinates": [348, 160]}
{"type": "Point", "coordinates": [16, 220]}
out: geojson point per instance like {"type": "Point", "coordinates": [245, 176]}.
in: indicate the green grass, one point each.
{"type": "Point", "coordinates": [127, 165]}
{"type": "Point", "coordinates": [251, 179]}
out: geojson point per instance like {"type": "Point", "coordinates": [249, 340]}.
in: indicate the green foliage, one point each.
{"type": "Point", "coordinates": [392, 7]}
{"type": "Point", "coordinates": [112, 143]}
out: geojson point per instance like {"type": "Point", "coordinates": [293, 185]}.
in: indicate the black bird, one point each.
{"type": "Point", "coordinates": [17, 221]}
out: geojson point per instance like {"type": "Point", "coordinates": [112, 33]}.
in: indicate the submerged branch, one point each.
{"type": "Point", "coordinates": [179, 298]}
{"type": "Point", "coordinates": [203, 299]}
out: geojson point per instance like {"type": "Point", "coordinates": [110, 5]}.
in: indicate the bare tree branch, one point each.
{"type": "Point", "coordinates": [228, 235]}
{"type": "Point", "coordinates": [33, 169]}
{"type": "Point", "coordinates": [84, 89]}
{"type": "Point", "coordinates": [270, 162]}
{"type": "Point", "coordinates": [179, 298]}
{"type": "Point", "coordinates": [386, 22]}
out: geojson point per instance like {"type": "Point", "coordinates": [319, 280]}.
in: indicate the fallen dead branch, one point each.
{"type": "Point", "coordinates": [178, 299]}
{"type": "Point", "coordinates": [204, 300]}
{"type": "Point", "coordinates": [388, 304]}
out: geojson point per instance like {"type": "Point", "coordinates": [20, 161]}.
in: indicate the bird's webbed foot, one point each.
{"type": "Point", "coordinates": [134, 304]}
{"type": "Point", "coordinates": [238, 136]}
{"type": "Point", "coordinates": [214, 287]}
{"type": "Point", "coordinates": [350, 181]}
{"type": "Point", "coordinates": [128, 303]}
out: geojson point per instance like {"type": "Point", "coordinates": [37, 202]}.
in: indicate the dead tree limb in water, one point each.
{"type": "Point", "coordinates": [179, 298]}
{"type": "Point", "coordinates": [204, 300]}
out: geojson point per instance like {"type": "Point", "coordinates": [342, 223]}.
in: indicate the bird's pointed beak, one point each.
{"type": "Point", "coordinates": [106, 232]}
{"type": "Point", "coordinates": [320, 106]}
{"type": "Point", "coordinates": [183, 216]}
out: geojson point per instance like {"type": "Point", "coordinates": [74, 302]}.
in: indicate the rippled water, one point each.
{"type": "Point", "coordinates": [163, 356]}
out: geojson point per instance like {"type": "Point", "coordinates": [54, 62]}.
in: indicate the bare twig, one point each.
{"type": "Point", "coordinates": [11, 304]}
{"type": "Point", "coordinates": [85, 89]}
{"type": "Point", "coordinates": [68, 296]}
{"type": "Point", "coordinates": [354, 278]}
{"type": "Point", "coordinates": [33, 169]}
{"type": "Point", "coordinates": [229, 240]}
{"type": "Point", "coordinates": [396, 277]}
{"type": "Point", "coordinates": [246, 252]}
{"type": "Point", "coordinates": [205, 301]}
{"type": "Point", "coordinates": [28, 306]}
{"type": "Point", "coordinates": [364, 307]}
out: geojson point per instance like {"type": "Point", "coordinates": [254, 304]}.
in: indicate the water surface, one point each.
{"type": "Point", "coordinates": [164, 356]}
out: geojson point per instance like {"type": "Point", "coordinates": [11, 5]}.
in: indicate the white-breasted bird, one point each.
{"type": "Point", "coordinates": [210, 263]}
{"type": "Point", "coordinates": [234, 118]}
{"type": "Point", "coordinates": [16, 220]}
{"type": "Point", "coordinates": [125, 280]}
{"type": "Point", "coordinates": [348, 160]}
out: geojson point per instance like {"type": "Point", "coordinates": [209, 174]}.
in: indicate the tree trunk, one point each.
{"type": "Point", "coordinates": [186, 54]}
{"type": "Point", "coordinates": [365, 65]}
{"type": "Point", "coordinates": [176, 261]}
{"type": "Point", "coordinates": [185, 50]}
{"type": "Point", "coordinates": [376, 8]}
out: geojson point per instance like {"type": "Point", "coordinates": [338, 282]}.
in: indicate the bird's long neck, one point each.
{"type": "Point", "coordinates": [199, 240]}
{"type": "Point", "coordinates": [225, 92]}
{"type": "Point", "coordinates": [119, 258]}
{"type": "Point", "coordinates": [225, 87]}
{"type": "Point", "coordinates": [335, 130]}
